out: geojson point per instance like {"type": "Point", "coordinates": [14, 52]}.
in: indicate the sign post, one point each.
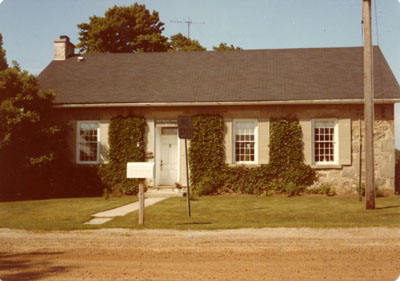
{"type": "Point", "coordinates": [140, 171]}
{"type": "Point", "coordinates": [141, 201]}
{"type": "Point", "coordinates": [185, 131]}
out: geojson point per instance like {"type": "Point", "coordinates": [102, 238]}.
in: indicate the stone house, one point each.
{"type": "Point", "coordinates": [322, 87]}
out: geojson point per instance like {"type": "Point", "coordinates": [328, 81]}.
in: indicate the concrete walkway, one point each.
{"type": "Point", "coordinates": [108, 215]}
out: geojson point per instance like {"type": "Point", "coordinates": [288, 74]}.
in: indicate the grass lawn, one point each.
{"type": "Point", "coordinates": [55, 214]}
{"type": "Point", "coordinates": [227, 212]}
{"type": "Point", "coordinates": [214, 212]}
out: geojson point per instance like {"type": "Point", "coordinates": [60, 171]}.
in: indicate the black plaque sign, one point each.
{"type": "Point", "coordinates": [185, 127]}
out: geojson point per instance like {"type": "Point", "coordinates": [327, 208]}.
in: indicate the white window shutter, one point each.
{"type": "Point", "coordinates": [344, 141]}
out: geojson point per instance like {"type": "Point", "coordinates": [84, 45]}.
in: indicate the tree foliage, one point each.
{"type": "Point", "coordinates": [123, 29]}
{"type": "Point", "coordinates": [224, 47]}
{"type": "Point", "coordinates": [3, 61]}
{"type": "Point", "coordinates": [127, 29]}
{"type": "Point", "coordinates": [180, 43]}
{"type": "Point", "coordinates": [30, 141]}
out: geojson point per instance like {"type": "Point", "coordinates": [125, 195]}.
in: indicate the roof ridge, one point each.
{"type": "Point", "coordinates": [226, 51]}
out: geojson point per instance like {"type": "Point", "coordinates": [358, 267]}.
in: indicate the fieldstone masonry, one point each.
{"type": "Point", "coordinates": [345, 179]}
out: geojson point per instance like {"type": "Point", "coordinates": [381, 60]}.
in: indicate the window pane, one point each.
{"type": "Point", "coordinates": [324, 141]}
{"type": "Point", "coordinates": [88, 152]}
{"type": "Point", "coordinates": [88, 142]}
{"type": "Point", "coordinates": [169, 131]}
{"type": "Point", "coordinates": [244, 141]}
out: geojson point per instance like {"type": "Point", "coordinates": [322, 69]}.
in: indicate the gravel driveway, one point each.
{"type": "Point", "coordinates": [244, 254]}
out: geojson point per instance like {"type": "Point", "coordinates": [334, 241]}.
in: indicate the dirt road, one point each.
{"type": "Point", "coordinates": [246, 254]}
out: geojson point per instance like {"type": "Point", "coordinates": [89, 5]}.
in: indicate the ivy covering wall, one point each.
{"type": "Point", "coordinates": [206, 153]}
{"type": "Point", "coordinates": [126, 141]}
{"type": "Point", "coordinates": [287, 157]}
{"type": "Point", "coordinates": [286, 171]}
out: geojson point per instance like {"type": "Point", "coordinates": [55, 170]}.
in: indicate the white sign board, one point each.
{"type": "Point", "coordinates": [140, 170]}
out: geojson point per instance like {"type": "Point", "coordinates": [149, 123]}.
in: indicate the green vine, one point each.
{"type": "Point", "coordinates": [286, 171]}
{"type": "Point", "coordinates": [126, 140]}
{"type": "Point", "coordinates": [287, 157]}
{"type": "Point", "coordinates": [206, 153]}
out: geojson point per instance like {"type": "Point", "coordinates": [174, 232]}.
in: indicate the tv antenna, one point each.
{"type": "Point", "coordinates": [188, 22]}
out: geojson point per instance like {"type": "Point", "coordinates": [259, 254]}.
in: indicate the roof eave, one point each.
{"type": "Point", "coordinates": [224, 103]}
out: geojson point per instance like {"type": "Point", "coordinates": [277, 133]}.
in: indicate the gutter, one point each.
{"type": "Point", "coordinates": [297, 102]}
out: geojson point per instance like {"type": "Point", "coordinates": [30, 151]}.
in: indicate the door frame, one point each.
{"type": "Point", "coordinates": [157, 154]}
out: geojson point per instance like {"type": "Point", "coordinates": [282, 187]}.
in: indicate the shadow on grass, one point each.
{"type": "Point", "coordinates": [388, 207]}
{"type": "Point", "coordinates": [28, 266]}
{"type": "Point", "coordinates": [189, 223]}
{"type": "Point", "coordinates": [260, 208]}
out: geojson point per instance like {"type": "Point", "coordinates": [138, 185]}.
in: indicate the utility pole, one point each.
{"type": "Point", "coordinates": [368, 108]}
{"type": "Point", "coordinates": [188, 22]}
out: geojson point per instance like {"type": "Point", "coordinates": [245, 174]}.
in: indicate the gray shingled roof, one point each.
{"type": "Point", "coordinates": [228, 76]}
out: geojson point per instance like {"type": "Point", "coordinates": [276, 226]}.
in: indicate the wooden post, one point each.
{"type": "Point", "coordinates": [368, 108]}
{"type": "Point", "coordinates": [187, 180]}
{"type": "Point", "coordinates": [141, 201]}
{"type": "Point", "coordinates": [360, 170]}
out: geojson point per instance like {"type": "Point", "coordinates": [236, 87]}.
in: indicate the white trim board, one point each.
{"type": "Point", "coordinates": [130, 104]}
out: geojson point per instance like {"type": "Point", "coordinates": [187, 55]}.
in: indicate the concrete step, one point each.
{"type": "Point", "coordinates": [164, 192]}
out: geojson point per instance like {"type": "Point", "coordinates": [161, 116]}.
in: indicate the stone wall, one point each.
{"type": "Point", "coordinates": [344, 177]}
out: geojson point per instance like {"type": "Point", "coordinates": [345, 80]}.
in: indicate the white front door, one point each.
{"type": "Point", "coordinates": [168, 158]}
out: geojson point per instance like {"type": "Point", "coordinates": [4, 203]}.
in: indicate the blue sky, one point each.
{"type": "Point", "coordinates": [30, 26]}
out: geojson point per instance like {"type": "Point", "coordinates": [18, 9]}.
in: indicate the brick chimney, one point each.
{"type": "Point", "coordinates": [63, 48]}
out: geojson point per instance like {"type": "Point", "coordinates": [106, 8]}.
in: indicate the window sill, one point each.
{"type": "Point", "coordinates": [248, 165]}
{"type": "Point", "coordinates": [87, 163]}
{"type": "Point", "coordinates": [326, 166]}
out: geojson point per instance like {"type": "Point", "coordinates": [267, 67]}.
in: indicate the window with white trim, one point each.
{"type": "Point", "coordinates": [325, 141]}
{"type": "Point", "coordinates": [88, 145]}
{"type": "Point", "coordinates": [245, 141]}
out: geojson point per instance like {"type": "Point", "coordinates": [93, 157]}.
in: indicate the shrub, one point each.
{"type": "Point", "coordinates": [206, 186]}
{"type": "Point", "coordinates": [324, 188]}
{"type": "Point", "coordinates": [378, 192]}
{"type": "Point", "coordinates": [292, 189]}
{"type": "Point", "coordinates": [245, 180]}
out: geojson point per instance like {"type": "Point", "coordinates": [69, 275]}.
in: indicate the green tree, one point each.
{"type": "Point", "coordinates": [30, 141]}
{"type": "Point", "coordinates": [3, 61]}
{"type": "Point", "coordinates": [180, 43]}
{"type": "Point", "coordinates": [225, 47]}
{"type": "Point", "coordinates": [123, 29]}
